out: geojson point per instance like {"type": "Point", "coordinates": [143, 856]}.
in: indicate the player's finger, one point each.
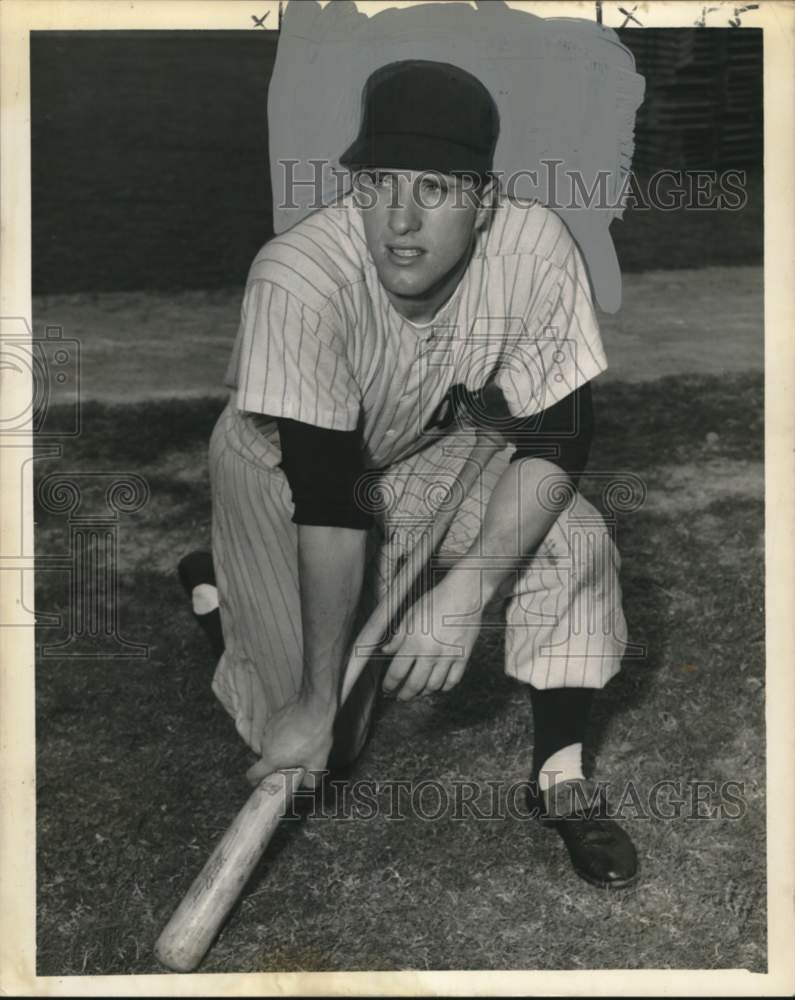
{"type": "Point", "coordinates": [454, 674]}
{"type": "Point", "coordinates": [393, 643]}
{"type": "Point", "coordinates": [265, 766]}
{"type": "Point", "coordinates": [260, 770]}
{"type": "Point", "coordinates": [400, 689]}
{"type": "Point", "coordinates": [313, 778]}
{"type": "Point", "coordinates": [437, 677]}
{"type": "Point", "coordinates": [399, 669]}
{"type": "Point", "coordinates": [415, 683]}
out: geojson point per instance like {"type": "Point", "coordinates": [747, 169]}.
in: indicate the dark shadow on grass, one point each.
{"type": "Point", "coordinates": [645, 608]}
{"type": "Point", "coordinates": [682, 408]}
{"type": "Point", "coordinates": [640, 425]}
{"type": "Point", "coordinates": [133, 435]}
{"type": "Point", "coordinates": [485, 691]}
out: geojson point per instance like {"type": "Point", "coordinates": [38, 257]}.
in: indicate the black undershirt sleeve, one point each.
{"type": "Point", "coordinates": [322, 467]}
{"type": "Point", "coordinates": [561, 434]}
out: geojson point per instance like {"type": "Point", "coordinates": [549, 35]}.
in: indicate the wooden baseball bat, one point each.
{"type": "Point", "coordinates": [187, 936]}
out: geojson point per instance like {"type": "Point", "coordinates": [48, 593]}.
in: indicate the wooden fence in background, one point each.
{"type": "Point", "coordinates": [703, 105]}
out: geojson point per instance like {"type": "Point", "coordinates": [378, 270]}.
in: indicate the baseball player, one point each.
{"type": "Point", "coordinates": [378, 337]}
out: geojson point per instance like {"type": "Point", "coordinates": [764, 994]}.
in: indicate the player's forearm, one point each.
{"type": "Point", "coordinates": [331, 570]}
{"type": "Point", "coordinates": [515, 522]}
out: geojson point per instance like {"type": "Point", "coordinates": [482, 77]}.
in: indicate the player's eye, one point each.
{"type": "Point", "coordinates": [371, 178]}
{"type": "Point", "coordinates": [433, 186]}
{"type": "Point", "coordinates": [374, 178]}
{"type": "Point", "coordinates": [386, 181]}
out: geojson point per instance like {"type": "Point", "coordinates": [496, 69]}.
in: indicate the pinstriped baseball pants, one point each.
{"type": "Point", "coordinates": [563, 620]}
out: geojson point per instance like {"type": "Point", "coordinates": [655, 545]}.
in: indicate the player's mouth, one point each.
{"type": "Point", "coordinates": [404, 255]}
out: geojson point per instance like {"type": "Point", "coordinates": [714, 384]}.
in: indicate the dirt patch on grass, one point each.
{"type": "Point", "coordinates": [687, 488]}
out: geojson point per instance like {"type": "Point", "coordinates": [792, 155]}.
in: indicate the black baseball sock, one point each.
{"type": "Point", "coordinates": [196, 570]}
{"type": "Point", "coordinates": [560, 717]}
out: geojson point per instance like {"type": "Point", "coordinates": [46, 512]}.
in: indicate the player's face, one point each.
{"type": "Point", "coordinates": [420, 230]}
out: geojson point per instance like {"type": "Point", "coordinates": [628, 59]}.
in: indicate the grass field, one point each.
{"type": "Point", "coordinates": [140, 770]}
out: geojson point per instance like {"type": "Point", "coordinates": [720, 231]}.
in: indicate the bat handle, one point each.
{"type": "Point", "coordinates": [187, 936]}
{"type": "Point", "coordinates": [372, 633]}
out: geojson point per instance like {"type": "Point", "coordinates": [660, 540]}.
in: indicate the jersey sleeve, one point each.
{"type": "Point", "coordinates": [558, 347]}
{"type": "Point", "coordinates": [291, 361]}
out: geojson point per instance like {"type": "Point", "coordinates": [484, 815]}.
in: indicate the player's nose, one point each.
{"type": "Point", "coordinates": [405, 215]}
{"type": "Point", "coordinates": [402, 222]}
{"type": "Point", "coordinates": [404, 219]}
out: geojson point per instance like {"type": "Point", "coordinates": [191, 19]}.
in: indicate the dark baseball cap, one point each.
{"type": "Point", "coordinates": [423, 115]}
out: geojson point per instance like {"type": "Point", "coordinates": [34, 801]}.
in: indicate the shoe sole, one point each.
{"type": "Point", "coordinates": [624, 883]}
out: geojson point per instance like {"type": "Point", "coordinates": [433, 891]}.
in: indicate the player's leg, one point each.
{"type": "Point", "coordinates": [255, 560]}
{"type": "Point", "coordinates": [565, 637]}
{"type": "Point", "coordinates": [197, 576]}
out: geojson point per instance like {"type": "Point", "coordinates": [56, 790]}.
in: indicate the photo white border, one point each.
{"type": "Point", "coordinates": [17, 745]}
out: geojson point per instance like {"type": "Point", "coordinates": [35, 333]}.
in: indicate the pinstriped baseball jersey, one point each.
{"type": "Point", "coordinates": [320, 341]}
{"type": "Point", "coordinates": [564, 623]}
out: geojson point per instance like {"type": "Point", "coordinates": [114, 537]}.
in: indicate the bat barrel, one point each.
{"type": "Point", "coordinates": [187, 936]}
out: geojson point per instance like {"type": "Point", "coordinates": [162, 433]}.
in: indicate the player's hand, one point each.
{"type": "Point", "coordinates": [429, 653]}
{"type": "Point", "coordinates": [300, 735]}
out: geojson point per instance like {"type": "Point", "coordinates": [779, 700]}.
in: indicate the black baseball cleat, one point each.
{"type": "Point", "coordinates": [196, 569]}
{"type": "Point", "coordinates": [601, 851]}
